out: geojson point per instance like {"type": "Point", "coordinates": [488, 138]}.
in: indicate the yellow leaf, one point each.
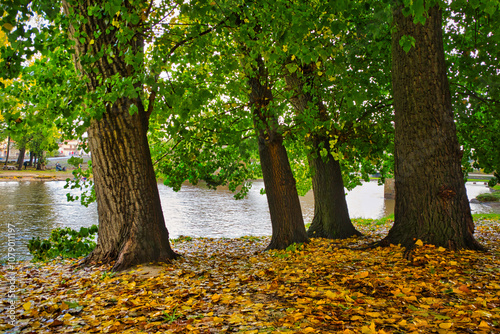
{"type": "Point", "coordinates": [217, 320]}
{"type": "Point", "coordinates": [27, 306]}
{"type": "Point", "coordinates": [362, 274]}
{"type": "Point", "coordinates": [369, 330]}
{"type": "Point", "coordinates": [419, 243]}
{"type": "Point", "coordinates": [484, 324]}
{"type": "Point", "coordinates": [215, 297]}
{"type": "Point", "coordinates": [373, 314]}
{"type": "Point", "coordinates": [453, 263]}
{"type": "Point", "coordinates": [330, 295]}
{"type": "Point", "coordinates": [308, 330]}
{"type": "Point", "coordinates": [445, 325]}
{"type": "Point", "coordinates": [441, 249]}
{"type": "Point", "coordinates": [356, 318]}
{"type": "Point", "coordinates": [91, 42]}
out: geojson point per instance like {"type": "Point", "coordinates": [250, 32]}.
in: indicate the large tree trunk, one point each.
{"type": "Point", "coordinates": [131, 223]}
{"type": "Point", "coordinates": [331, 215]}
{"type": "Point", "coordinates": [431, 200]}
{"type": "Point", "coordinates": [281, 191]}
{"type": "Point", "coordinates": [20, 159]}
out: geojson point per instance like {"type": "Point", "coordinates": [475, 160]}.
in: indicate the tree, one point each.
{"type": "Point", "coordinates": [472, 45]}
{"type": "Point", "coordinates": [431, 200]}
{"type": "Point", "coordinates": [331, 215]}
{"type": "Point", "coordinates": [131, 223]}
{"type": "Point", "coordinates": [106, 39]}
{"type": "Point", "coordinates": [282, 197]}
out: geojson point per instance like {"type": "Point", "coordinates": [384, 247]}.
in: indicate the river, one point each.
{"type": "Point", "coordinates": [34, 208]}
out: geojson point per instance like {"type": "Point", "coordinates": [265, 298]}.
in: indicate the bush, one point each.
{"type": "Point", "coordinates": [64, 242]}
{"type": "Point", "coordinates": [489, 197]}
{"type": "Point", "coordinates": [492, 182]}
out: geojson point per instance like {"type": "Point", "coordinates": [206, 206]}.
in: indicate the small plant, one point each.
{"type": "Point", "coordinates": [182, 238]}
{"type": "Point", "coordinates": [107, 274]}
{"type": "Point", "coordinates": [492, 182]}
{"type": "Point", "coordinates": [171, 317]}
{"type": "Point", "coordinates": [64, 242]}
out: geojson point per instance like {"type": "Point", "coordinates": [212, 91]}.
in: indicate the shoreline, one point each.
{"type": "Point", "coordinates": [34, 175]}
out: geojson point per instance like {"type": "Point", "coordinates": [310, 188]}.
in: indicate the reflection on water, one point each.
{"type": "Point", "coordinates": [35, 208]}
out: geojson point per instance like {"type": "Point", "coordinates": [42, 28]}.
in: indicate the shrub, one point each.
{"type": "Point", "coordinates": [64, 242]}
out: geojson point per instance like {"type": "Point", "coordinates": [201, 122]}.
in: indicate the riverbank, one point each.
{"type": "Point", "coordinates": [34, 175]}
{"type": "Point", "coordinates": [233, 285]}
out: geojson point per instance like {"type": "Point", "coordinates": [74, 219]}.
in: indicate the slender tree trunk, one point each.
{"type": "Point", "coordinates": [8, 151]}
{"type": "Point", "coordinates": [131, 223]}
{"type": "Point", "coordinates": [20, 159]}
{"type": "Point", "coordinates": [40, 161]}
{"type": "Point", "coordinates": [32, 156]}
{"type": "Point", "coordinates": [331, 215]}
{"type": "Point", "coordinates": [282, 197]}
{"type": "Point", "coordinates": [431, 200]}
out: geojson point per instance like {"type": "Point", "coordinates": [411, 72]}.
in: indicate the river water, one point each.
{"type": "Point", "coordinates": [34, 208]}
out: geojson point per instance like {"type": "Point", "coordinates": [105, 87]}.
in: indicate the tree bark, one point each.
{"type": "Point", "coordinates": [431, 200]}
{"type": "Point", "coordinates": [131, 223]}
{"type": "Point", "coordinates": [281, 191]}
{"type": "Point", "coordinates": [8, 151]}
{"type": "Point", "coordinates": [20, 159]}
{"type": "Point", "coordinates": [331, 215]}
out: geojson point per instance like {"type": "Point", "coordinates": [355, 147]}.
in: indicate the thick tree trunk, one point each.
{"type": "Point", "coordinates": [20, 159]}
{"type": "Point", "coordinates": [131, 223]}
{"type": "Point", "coordinates": [431, 200]}
{"type": "Point", "coordinates": [281, 191]}
{"type": "Point", "coordinates": [331, 215]}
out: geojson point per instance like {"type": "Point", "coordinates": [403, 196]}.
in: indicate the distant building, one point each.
{"type": "Point", "coordinates": [71, 148]}
{"type": "Point", "coordinates": [13, 153]}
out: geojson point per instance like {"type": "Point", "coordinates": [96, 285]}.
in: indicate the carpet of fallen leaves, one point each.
{"type": "Point", "coordinates": [231, 285]}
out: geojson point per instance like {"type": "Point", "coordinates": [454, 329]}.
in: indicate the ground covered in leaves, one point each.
{"type": "Point", "coordinates": [231, 285]}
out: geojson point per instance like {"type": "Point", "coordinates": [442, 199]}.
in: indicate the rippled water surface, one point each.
{"type": "Point", "coordinates": [35, 208]}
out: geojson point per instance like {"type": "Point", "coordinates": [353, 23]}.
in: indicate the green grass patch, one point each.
{"type": "Point", "coordinates": [486, 216]}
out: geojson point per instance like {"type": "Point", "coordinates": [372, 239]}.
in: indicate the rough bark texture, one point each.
{"type": "Point", "coordinates": [20, 159]}
{"type": "Point", "coordinates": [282, 197]}
{"type": "Point", "coordinates": [131, 223]}
{"type": "Point", "coordinates": [431, 200]}
{"type": "Point", "coordinates": [331, 215]}
{"type": "Point", "coordinates": [8, 151]}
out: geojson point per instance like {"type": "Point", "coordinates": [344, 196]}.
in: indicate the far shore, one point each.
{"type": "Point", "coordinates": [34, 175]}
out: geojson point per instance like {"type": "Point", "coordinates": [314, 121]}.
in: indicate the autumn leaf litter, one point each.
{"type": "Point", "coordinates": [233, 285]}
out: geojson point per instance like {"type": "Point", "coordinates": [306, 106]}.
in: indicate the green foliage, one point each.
{"type": "Point", "coordinates": [492, 182]}
{"type": "Point", "coordinates": [82, 181]}
{"type": "Point", "coordinates": [489, 197]}
{"type": "Point", "coordinates": [182, 238]}
{"type": "Point", "coordinates": [64, 242]}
